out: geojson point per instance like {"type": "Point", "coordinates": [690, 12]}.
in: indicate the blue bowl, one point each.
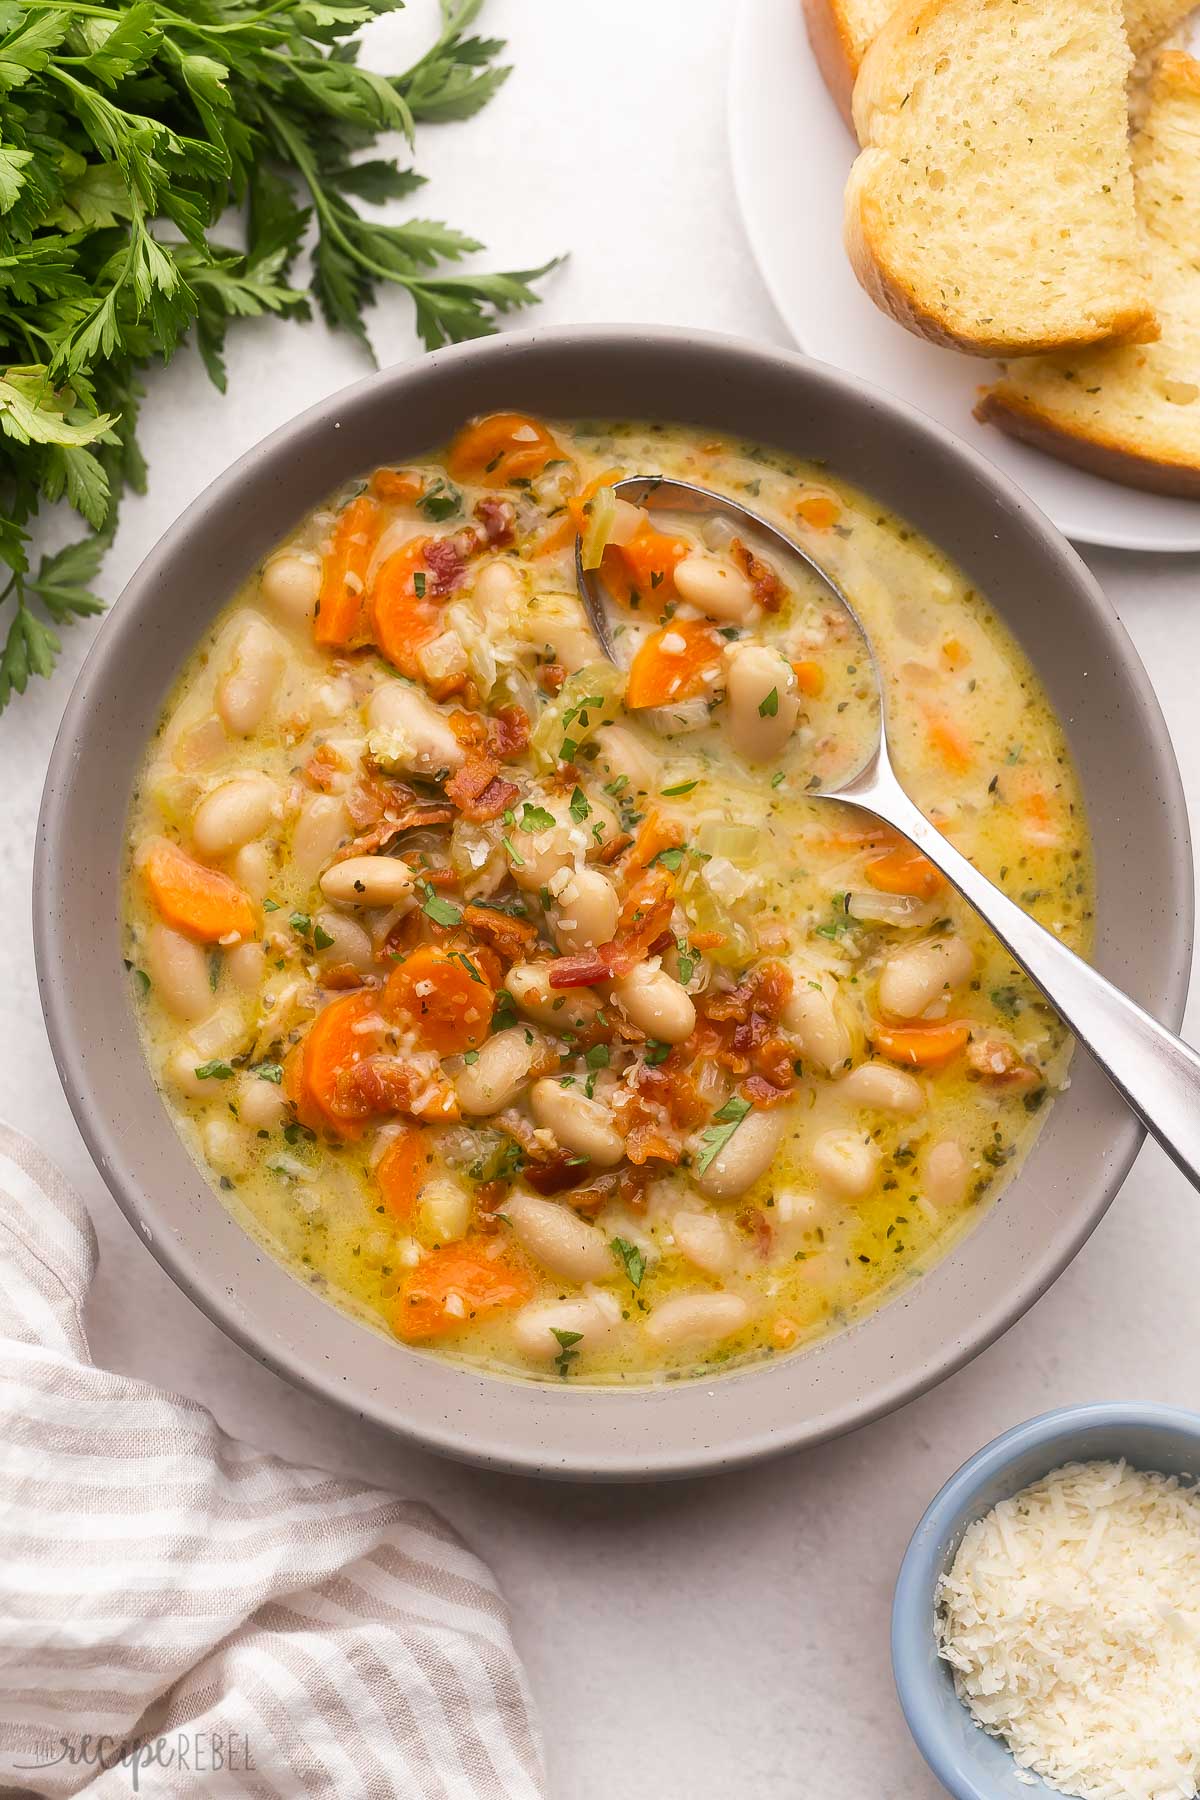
{"type": "Point", "coordinates": [969, 1763]}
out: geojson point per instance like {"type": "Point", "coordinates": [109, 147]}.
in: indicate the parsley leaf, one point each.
{"type": "Point", "coordinates": [579, 806]}
{"type": "Point", "coordinates": [442, 912]}
{"type": "Point", "coordinates": [725, 1122]}
{"type": "Point", "coordinates": [216, 1070]}
{"type": "Point", "coordinates": [630, 1258]}
{"type": "Point", "coordinates": [536, 818]}
{"type": "Point", "coordinates": [566, 1355]}
{"type": "Point", "coordinates": [768, 706]}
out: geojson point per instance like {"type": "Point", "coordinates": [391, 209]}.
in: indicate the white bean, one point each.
{"type": "Point", "coordinates": [815, 1013]}
{"type": "Point", "coordinates": [586, 911]}
{"type": "Point", "coordinates": [178, 971]}
{"type": "Point", "coordinates": [349, 942]}
{"type": "Point", "coordinates": [445, 1210]}
{"type": "Point", "coordinates": [696, 1319]}
{"type": "Point", "coordinates": [656, 1004]}
{"type": "Point", "coordinates": [716, 589]}
{"type": "Point", "coordinates": [558, 1239]}
{"type": "Point", "coordinates": [261, 1104]}
{"type": "Point", "coordinates": [879, 1086]}
{"type": "Point", "coordinates": [622, 757]}
{"type": "Point", "coordinates": [763, 703]}
{"type": "Point", "coordinates": [290, 584]}
{"type": "Point", "coordinates": [534, 1327]}
{"type": "Point", "coordinates": [247, 687]}
{"type": "Point", "coordinates": [251, 869]}
{"type": "Point", "coordinates": [234, 813]}
{"type": "Point", "coordinates": [224, 1146]}
{"type": "Point", "coordinates": [846, 1162]}
{"type": "Point", "coordinates": [407, 731]}
{"type": "Point", "coordinates": [323, 824]}
{"type": "Point", "coordinates": [916, 976]}
{"type": "Point", "coordinates": [747, 1155]}
{"type": "Point", "coordinates": [499, 1072]}
{"type": "Point", "coordinates": [565, 1009]}
{"type": "Point", "coordinates": [496, 592]}
{"type": "Point", "coordinates": [946, 1174]}
{"type": "Point", "coordinates": [368, 881]}
{"type": "Point", "coordinates": [245, 963]}
{"type": "Point", "coordinates": [543, 852]}
{"type": "Point", "coordinates": [705, 1240]}
{"type": "Point", "coordinates": [580, 1125]}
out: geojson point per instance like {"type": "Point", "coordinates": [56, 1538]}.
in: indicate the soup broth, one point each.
{"type": "Point", "coordinates": [536, 1011]}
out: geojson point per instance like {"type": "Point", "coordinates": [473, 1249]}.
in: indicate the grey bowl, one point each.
{"type": "Point", "coordinates": [1037, 585]}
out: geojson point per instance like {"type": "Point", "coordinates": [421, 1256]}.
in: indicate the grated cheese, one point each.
{"type": "Point", "coordinates": [1071, 1619]}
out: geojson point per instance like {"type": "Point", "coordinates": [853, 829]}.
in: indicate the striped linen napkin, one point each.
{"type": "Point", "coordinates": [183, 1615]}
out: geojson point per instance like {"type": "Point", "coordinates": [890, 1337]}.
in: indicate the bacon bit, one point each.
{"type": "Point", "coordinates": [674, 1090]}
{"type": "Point", "coordinates": [581, 971]}
{"type": "Point", "coordinates": [324, 766]}
{"type": "Point", "coordinates": [498, 518]}
{"type": "Point", "coordinates": [645, 913]}
{"type": "Point", "coordinates": [547, 1170]}
{"type": "Point", "coordinates": [647, 1142]}
{"type": "Point", "coordinates": [760, 1092]}
{"type": "Point", "coordinates": [446, 559]}
{"type": "Point", "coordinates": [626, 1184]}
{"type": "Point", "coordinates": [479, 792]}
{"type": "Point", "coordinates": [1000, 1062]}
{"type": "Point", "coordinates": [551, 677]}
{"type": "Point", "coordinates": [421, 815]}
{"type": "Point", "coordinates": [609, 852]}
{"type": "Point", "coordinates": [510, 938]}
{"type": "Point", "coordinates": [706, 940]}
{"type": "Point", "coordinates": [508, 732]}
{"type": "Point", "coordinates": [768, 589]}
{"type": "Point", "coordinates": [754, 1222]}
{"type": "Point", "coordinates": [381, 1084]}
{"type": "Point", "coordinates": [343, 975]}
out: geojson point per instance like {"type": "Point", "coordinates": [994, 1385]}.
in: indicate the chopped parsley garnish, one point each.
{"type": "Point", "coordinates": [631, 1259]}
{"type": "Point", "coordinates": [656, 1051]}
{"type": "Point", "coordinates": [566, 1355]}
{"type": "Point", "coordinates": [214, 1071]}
{"type": "Point", "coordinates": [419, 584]}
{"type": "Point", "coordinates": [778, 778]}
{"type": "Point", "coordinates": [1007, 1000]}
{"type": "Point", "coordinates": [682, 787]}
{"type": "Point", "coordinates": [687, 962]}
{"type": "Point", "coordinates": [269, 1071]}
{"type": "Point", "coordinates": [505, 1013]}
{"type": "Point", "coordinates": [536, 818]}
{"type": "Point", "coordinates": [442, 912]}
{"type": "Point", "coordinates": [441, 502]}
{"type": "Point", "coordinates": [672, 858]}
{"type": "Point", "coordinates": [725, 1123]}
{"type": "Point", "coordinates": [579, 806]}
{"type": "Point", "coordinates": [517, 860]}
{"type": "Point", "coordinates": [301, 924]}
{"type": "Point", "coordinates": [768, 706]}
{"type": "Point", "coordinates": [321, 938]}
{"type": "Point", "coordinates": [468, 965]}
{"type": "Point", "coordinates": [143, 982]}
{"type": "Point", "coordinates": [598, 1057]}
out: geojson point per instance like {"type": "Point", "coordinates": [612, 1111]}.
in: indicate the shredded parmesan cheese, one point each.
{"type": "Point", "coordinates": [1071, 1619]}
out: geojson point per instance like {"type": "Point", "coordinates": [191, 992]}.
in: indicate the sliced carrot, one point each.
{"type": "Point", "coordinates": [444, 995]}
{"type": "Point", "coordinates": [654, 835]}
{"type": "Point", "coordinates": [343, 578]}
{"type": "Point", "coordinates": [403, 619]}
{"type": "Point", "coordinates": [950, 742]}
{"type": "Point", "coordinates": [643, 570]}
{"type": "Point", "coordinates": [402, 1171]}
{"type": "Point", "coordinates": [819, 510]}
{"type": "Point", "coordinates": [452, 1287]}
{"type": "Point", "coordinates": [810, 678]}
{"type": "Point", "coordinates": [200, 902]}
{"type": "Point", "coordinates": [921, 1046]}
{"type": "Point", "coordinates": [673, 664]}
{"type": "Point", "coordinates": [905, 871]}
{"type": "Point", "coordinates": [577, 504]}
{"type": "Point", "coordinates": [397, 485]}
{"type": "Point", "coordinates": [558, 536]}
{"type": "Point", "coordinates": [332, 1046]}
{"type": "Point", "coordinates": [500, 449]}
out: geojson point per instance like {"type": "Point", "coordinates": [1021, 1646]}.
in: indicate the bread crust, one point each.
{"type": "Point", "coordinates": [834, 50]}
{"type": "Point", "coordinates": [1097, 451]}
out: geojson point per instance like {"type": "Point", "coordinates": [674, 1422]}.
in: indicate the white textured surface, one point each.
{"type": "Point", "coordinates": [706, 1640]}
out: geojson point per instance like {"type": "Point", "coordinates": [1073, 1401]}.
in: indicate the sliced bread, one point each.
{"type": "Point", "coordinates": [992, 206]}
{"type": "Point", "coordinates": [840, 30]}
{"type": "Point", "coordinates": [1133, 413]}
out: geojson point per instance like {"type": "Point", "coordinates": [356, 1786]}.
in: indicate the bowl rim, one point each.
{"type": "Point", "coordinates": [929, 1549]}
{"type": "Point", "coordinates": [485, 1440]}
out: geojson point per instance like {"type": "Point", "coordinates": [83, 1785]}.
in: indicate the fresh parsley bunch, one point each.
{"type": "Point", "coordinates": [126, 131]}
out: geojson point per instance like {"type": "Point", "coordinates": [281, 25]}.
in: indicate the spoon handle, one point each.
{"type": "Point", "coordinates": [1156, 1072]}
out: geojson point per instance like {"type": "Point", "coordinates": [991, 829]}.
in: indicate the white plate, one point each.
{"type": "Point", "coordinates": [791, 154]}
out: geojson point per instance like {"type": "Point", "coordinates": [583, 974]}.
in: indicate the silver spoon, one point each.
{"type": "Point", "coordinates": [1156, 1073]}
